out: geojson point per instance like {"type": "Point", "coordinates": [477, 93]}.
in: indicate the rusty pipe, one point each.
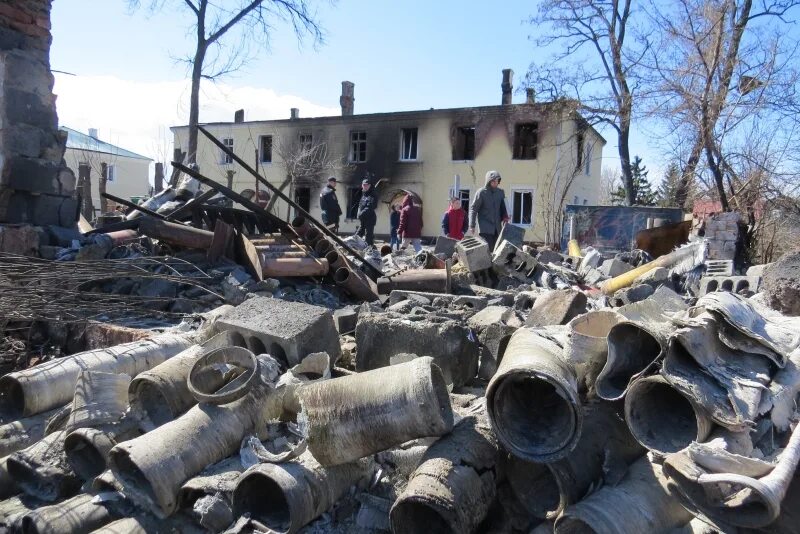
{"type": "Point", "coordinates": [277, 267]}
{"type": "Point", "coordinates": [312, 237]}
{"type": "Point", "coordinates": [322, 247]}
{"type": "Point", "coordinates": [300, 225]}
{"type": "Point", "coordinates": [432, 280]}
{"type": "Point", "coordinates": [336, 260]}
{"type": "Point", "coordinates": [176, 234]}
{"type": "Point", "coordinates": [354, 284]}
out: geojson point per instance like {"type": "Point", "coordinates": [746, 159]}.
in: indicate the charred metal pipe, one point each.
{"type": "Point", "coordinates": [336, 260]}
{"type": "Point", "coordinates": [311, 237]}
{"type": "Point", "coordinates": [350, 417]}
{"type": "Point", "coordinates": [354, 284]}
{"type": "Point", "coordinates": [428, 260]}
{"type": "Point", "coordinates": [78, 514]}
{"type": "Point", "coordinates": [639, 503]}
{"type": "Point", "coordinates": [283, 266]}
{"type": "Point", "coordinates": [533, 401]}
{"type": "Point", "coordinates": [661, 418]}
{"type": "Point", "coordinates": [455, 484]}
{"type": "Point", "coordinates": [87, 449]}
{"type": "Point", "coordinates": [152, 467]}
{"type": "Point", "coordinates": [17, 435]}
{"type": "Point", "coordinates": [603, 453]}
{"type": "Point", "coordinates": [42, 470]}
{"type": "Point", "coordinates": [176, 234]}
{"type": "Point", "coordinates": [733, 498]}
{"type": "Point", "coordinates": [385, 250]}
{"type": "Point", "coordinates": [587, 344]}
{"type": "Point", "coordinates": [51, 384]}
{"type": "Point", "coordinates": [162, 393]}
{"type": "Point", "coordinates": [433, 280]}
{"type": "Point", "coordinates": [301, 226]}
{"type": "Point", "coordinates": [285, 497]}
{"type": "Point", "coordinates": [100, 398]}
{"type": "Point", "coordinates": [633, 348]}
{"type": "Point", "coordinates": [322, 247]}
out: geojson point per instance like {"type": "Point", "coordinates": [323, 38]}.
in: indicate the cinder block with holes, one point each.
{"type": "Point", "coordinates": [473, 253]}
{"type": "Point", "coordinates": [733, 284]}
{"type": "Point", "coordinates": [512, 261]}
{"type": "Point", "coordinates": [288, 331]}
{"type": "Point", "coordinates": [719, 267]}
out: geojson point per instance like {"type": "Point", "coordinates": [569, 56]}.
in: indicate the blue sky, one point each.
{"type": "Point", "coordinates": [401, 56]}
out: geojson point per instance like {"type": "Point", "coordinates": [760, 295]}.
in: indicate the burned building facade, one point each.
{"type": "Point", "coordinates": [545, 152]}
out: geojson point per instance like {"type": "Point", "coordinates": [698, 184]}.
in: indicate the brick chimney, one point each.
{"type": "Point", "coordinates": [506, 86]}
{"type": "Point", "coordinates": [294, 113]}
{"type": "Point", "coordinates": [530, 95]}
{"type": "Point", "coordinates": [347, 100]}
{"type": "Point", "coordinates": [238, 116]}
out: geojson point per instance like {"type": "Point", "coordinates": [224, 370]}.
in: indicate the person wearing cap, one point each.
{"type": "Point", "coordinates": [329, 204]}
{"type": "Point", "coordinates": [489, 210]}
{"type": "Point", "coordinates": [366, 212]}
{"type": "Point", "coordinates": [454, 221]}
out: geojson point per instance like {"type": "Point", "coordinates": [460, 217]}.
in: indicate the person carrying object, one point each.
{"type": "Point", "coordinates": [489, 210]}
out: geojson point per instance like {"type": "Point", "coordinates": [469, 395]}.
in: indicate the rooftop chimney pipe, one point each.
{"type": "Point", "coordinates": [295, 113]}
{"type": "Point", "coordinates": [506, 86]}
{"type": "Point", "coordinates": [347, 100]}
{"type": "Point", "coordinates": [238, 116]}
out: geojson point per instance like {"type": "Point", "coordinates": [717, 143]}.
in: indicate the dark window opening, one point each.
{"type": "Point", "coordinates": [464, 148]}
{"type": "Point", "coordinates": [353, 197]}
{"type": "Point", "coordinates": [522, 207]}
{"type": "Point", "coordinates": [358, 147]}
{"type": "Point", "coordinates": [526, 137]}
{"type": "Point", "coordinates": [306, 141]}
{"type": "Point", "coordinates": [408, 144]}
{"type": "Point", "coordinates": [463, 196]}
{"type": "Point", "coordinates": [579, 141]}
{"type": "Point", "coordinates": [226, 158]}
{"type": "Point", "coordinates": [266, 149]}
{"type": "Point", "coordinates": [302, 195]}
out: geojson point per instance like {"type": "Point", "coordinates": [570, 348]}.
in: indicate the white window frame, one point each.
{"type": "Point", "coordinates": [261, 148]}
{"type": "Point", "coordinates": [225, 159]}
{"type": "Point", "coordinates": [306, 140]}
{"type": "Point", "coordinates": [530, 190]}
{"type": "Point", "coordinates": [403, 144]}
{"type": "Point", "coordinates": [111, 172]}
{"type": "Point", "coordinates": [461, 190]}
{"type": "Point", "coordinates": [356, 142]}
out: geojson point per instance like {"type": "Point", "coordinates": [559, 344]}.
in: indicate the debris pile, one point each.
{"type": "Point", "coordinates": [238, 373]}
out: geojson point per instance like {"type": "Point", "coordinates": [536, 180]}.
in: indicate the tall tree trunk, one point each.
{"type": "Point", "coordinates": [197, 73]}
{"type": "Point", "coordinates": [158, 181]}
{"type": "Point", "coordinates": [688, 173]}
{"type": "Point", "coordinates": [85, 189]}
{"type": "Point", "coordinates": [101, 186]}
{"type": "Point", "coordinates": [625, 159]}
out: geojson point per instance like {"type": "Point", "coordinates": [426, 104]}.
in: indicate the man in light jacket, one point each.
{"type": "Point", "coordinates": [489, 209]}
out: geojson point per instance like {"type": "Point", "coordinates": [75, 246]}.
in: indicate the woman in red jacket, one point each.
{"type": "Point", "coordinates": [410, 229]}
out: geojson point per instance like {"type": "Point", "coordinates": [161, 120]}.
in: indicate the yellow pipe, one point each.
{"type": "Point", "coordinates": [573, 248]}
{"type": "Point", "coordinates": [625, 279]}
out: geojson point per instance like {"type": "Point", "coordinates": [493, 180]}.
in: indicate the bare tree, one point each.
{"type": "Point", "coordinates": [600, 64]}
{"type": "Point", "coordinates": [249, 21]}
{"type": "Point", "coordinates": [720, 69]}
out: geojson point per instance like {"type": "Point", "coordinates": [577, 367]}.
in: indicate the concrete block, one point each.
{"type": "Point", "coordinates": [593, 277]}
{"type": "Point", "coordinates": [550, 256]}
{"type": "Point", "coordinates": [445, 245]}
{"type": "Point", "coordinates": [659, 275]}
{"type": "Point", "coordinates": [726, 235]}
{"type": "Point", "coordinates": [733, 284]}
{"type": "Point", "coordinates": [591, 260]}
{"type": "Point", "coordinates": [511, 233]}
{"type": "Point", "coordinates": [629, 295]}
{"type": "Point", "coordinates": [345, 319]}
{"type": "Point", "coordinates": [557, 307]}
{"type": "Point", "coordinates": [782, 284]}
{"type": "Point", "coordinates": [473, 253]}
{"type": "Point", "coordinates": [757, 270]}
{"type": "Point", "coordinates": [423, 298]}
{"type": "Point", "coordinates": [506, 298]}
{"type": "Point", "coordinates": [494, 326]}
{"type": "Point", "coordinates": [613, 267]}
{"type": "Point", "coordinates": [719, 268]}
{"type": "Point", "coordinates": [380, 336]}
{"type": "Point", "coordinates": [511, 261]}
{"type": "Point", "coordinates": [288, 331]}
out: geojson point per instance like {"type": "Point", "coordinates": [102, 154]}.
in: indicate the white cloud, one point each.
{"type": "Point", "coordinates": [137, 115]}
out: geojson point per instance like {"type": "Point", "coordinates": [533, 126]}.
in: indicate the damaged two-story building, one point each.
{"type": "Point", "coordinates": [547, 154]}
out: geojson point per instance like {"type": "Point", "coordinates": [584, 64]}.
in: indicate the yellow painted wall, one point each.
{"type": "Point", "coordinates": [131, 173]}
{"type": "Point", "coordinates": [431, 176]}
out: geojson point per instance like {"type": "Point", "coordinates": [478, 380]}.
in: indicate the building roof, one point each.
{"type": "Point", "coordinates": [82, 141]}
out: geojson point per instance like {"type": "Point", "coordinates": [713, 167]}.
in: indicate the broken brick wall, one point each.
{"type": "Point", "coordinates": [35, 185]}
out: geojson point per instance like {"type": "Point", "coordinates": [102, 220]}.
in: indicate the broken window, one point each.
{"type": "Point", "coordinates": [306, 140]}
{"type": "Point", "coordinates": [358, 147]}
{"type": "Point", "coordinates": [526, 137]}
{"type": "Point", "coordinates": [408, 144]}
{"type": "Point", "coordinates": [353, 197]}
{"type": "Point", "coordinates": [464, 148]}
{"type": "Point", "coordinates": [588, 160]}
{"type": "Point", "coordinates": [463, 196]}
{"type": "Point", "coordinates": [228, 142]}
{"type": "Point", "coordinates": [522, 207]}
{"type": "Point", "coordinates": [302, 195]}
{"type": "Point", "coordinates": [265, 148]}
{"type": "Point", "coordinates": [111, 173]}
{"type": "Point", "coordinates": [579, 150]}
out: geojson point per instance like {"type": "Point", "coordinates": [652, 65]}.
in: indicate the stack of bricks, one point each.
{"type": "Point", "coordinates": [722, 233]}
{"type": "Point", "coordinates": [36, 187]}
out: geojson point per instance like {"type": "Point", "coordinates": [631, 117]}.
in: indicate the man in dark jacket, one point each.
{"type": "Point", "coordinates": [489, 208]}
{"type": "Point", "coordinates": [410, 230]}
{"type": "Point", "coordinates": [329, 204]}
{"type": "Point", "coordinates": [366, 213]}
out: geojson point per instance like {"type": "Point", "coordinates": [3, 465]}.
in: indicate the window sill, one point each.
{"type": "Point", "coordinates": [265, 163]}
{"type": "Point", "coordinates": [462, 160]}
{"type": "Point", "coordinates": [409, 161]}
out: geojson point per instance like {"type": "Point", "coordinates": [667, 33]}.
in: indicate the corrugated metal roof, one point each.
{"type": "Point", "coordinates": [81, 141]}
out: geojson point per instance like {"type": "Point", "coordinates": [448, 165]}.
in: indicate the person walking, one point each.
{"type": "Point", "coordinates": [366, 213]}
{"type": "Point", "coordinates": [394, 224]}
{"type": "Point", "coordinates": [489, 210]}
{"type": "Point", "coordinates": [454, 221]}
{"type": "Point", "coordinates": [410, 230]}
{"type": "Point", "coordinates": [329, 204]}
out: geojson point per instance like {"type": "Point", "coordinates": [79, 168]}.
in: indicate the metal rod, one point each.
{"type": "Point", "coordinates": [191, 203]}
{"type": "Point", "coordinates": [295, 205]}
{"type": "Point", "coordinates": [131, 205]}
{"type": "Point", "coordinates": [231, 194]}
